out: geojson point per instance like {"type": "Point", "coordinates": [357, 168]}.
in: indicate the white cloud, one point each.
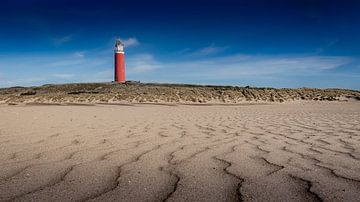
{"type": "Point", "coordinates": [146, 67]}
{"type": "Point", "coordinates": [28, 70]}
{"type": "Point", "coordinates": [130, 42]}
{"type": "Point", "coordinates": [98, 67]}
{"type": "Point", "coordinates": [237, 67]}
{"type": "Point", "coordinates": [24, 81]}
{"type": "Point", "coordinates": [63, 76]}
{"type": "Point", "coordinates": [328, 45]}
{"type": "Point", "coordinates": [209, 50]}
{"type": "Point", "coordinates": [142, 63]}
{"type": "Point", "coordinates": [240, 66]}
{"type": "Point", "coordinates": [79, 54]}
{"type": "Point", "coordinates": [105, 75]}
{"type": "Point", "coordinates": [65, 62]}
{"type": "Point", "coordinates": [62, 40]}
{"type": "Point", "coordinates": [183, 51]}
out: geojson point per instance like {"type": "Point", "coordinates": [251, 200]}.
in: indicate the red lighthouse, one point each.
{"type": "Point", "coordinates": [119, 62]}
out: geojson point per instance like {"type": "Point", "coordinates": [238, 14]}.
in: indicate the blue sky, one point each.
{"type": "Point", "coordinates": [294, 43]}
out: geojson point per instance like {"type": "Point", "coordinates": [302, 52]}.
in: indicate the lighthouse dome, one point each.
{"type": "Point", "coordinates": [119, 46]}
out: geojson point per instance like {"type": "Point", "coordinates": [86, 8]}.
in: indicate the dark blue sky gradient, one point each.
{"type": "Point", "coordinates": [175, 33]}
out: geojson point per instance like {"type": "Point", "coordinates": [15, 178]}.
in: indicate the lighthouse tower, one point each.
{"type": "Point", "coordinates": [119, 62]}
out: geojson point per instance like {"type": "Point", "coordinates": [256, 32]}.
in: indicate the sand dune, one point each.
{"type": "Point", "coordinates": [274, 152]}
{"type": "Point", "coordinates": [96, 93]}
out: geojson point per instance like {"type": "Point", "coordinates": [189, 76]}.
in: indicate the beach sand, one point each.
{"type": "Point", "coordinates": [300, 151]}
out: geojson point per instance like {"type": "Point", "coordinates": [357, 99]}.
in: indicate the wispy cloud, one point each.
{"type": "Point", "coordinates": [79, 54]}
{"type": "Point", "coordinates": [142, 63]}
{"type": "Point", "coordinates": [239, 68]}
{"type": "Point", "coordinates": [183, 51]}
{"type": "Point", "coordinates": [62, 40]}
{"type": "Point", "coordinates": [63, 76]}
{"type": "Point", "coordinates": [229, 68]}
{"type": "Point", "coordinates": [242, 65]}
{"type": "Point", "coordinates": [328, 45]}
{"type": "Point", "coordinates": [24, 81]}
{"type": "Point", "coordinates": [212, 49]}
{"type": "Point", "coordinates": [130, 42]}
{"type": "Point", "coordinates": [103, 75]}
{"type": "Point", "coordinates": [232, 69]}
{"type": "Point", "coordinates": [30, 70]}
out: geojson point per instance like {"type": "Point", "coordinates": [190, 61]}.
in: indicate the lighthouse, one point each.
{"type": "Point", "coordinates": [119, 62]}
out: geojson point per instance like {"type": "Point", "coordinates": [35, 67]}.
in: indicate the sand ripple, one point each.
{"type": "Point", "coordinates": [278, 152]}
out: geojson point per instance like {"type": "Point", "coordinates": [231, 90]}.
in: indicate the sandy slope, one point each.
{"type": "Point", "coordinates": [288, 152]}
{"type": "Point", "coordinates": [166, 93]}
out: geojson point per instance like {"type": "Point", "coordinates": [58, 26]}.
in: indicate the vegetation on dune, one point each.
{"type": "Point", "coordinates": [159, 93]}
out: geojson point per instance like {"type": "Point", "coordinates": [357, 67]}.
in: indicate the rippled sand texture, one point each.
{"type": "Point", "coordinates": [287, 152]}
